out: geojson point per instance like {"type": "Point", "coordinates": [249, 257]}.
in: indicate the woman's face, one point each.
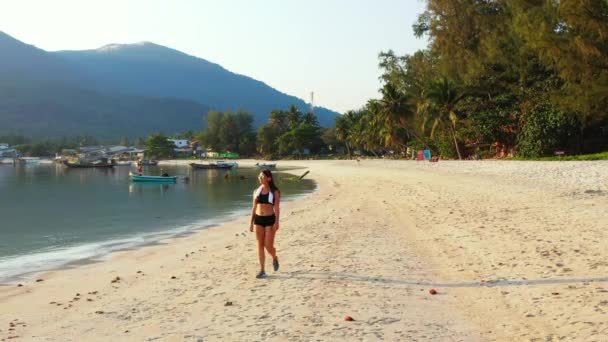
{"type": "Point", "coordinates": [262, 178]}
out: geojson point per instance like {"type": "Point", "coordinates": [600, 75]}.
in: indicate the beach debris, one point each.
{"type": "Point", "coordinates": [228, 304]}
{"type": "Point", "coordinates": [19, 285]}
{"type": "Point", "coordinates": [173, 277]}
{"type": "Point", "coordinates": [39, 280]}
{"type": "Point", "coordinates": [304, 175]}
{"type": "Point", "coordinates": [89, 300]}
{"type": "Point", "coordinates": [348, 318]}
{"type": "Point", "coordinates": [99, 312]}
{"type": "Point", "coordinates": [92, 293]}
{"type": "Point", "coordinates": [433, 291]}
{"type": "Point", "coordinates": [116, 280]}
{"type": "Point", "coordinates": [126, 331]}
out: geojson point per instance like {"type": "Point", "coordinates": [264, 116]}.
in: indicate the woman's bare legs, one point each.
{"type": "Point", "coordinates": [269, 242]}
{"type": "Point", "coordinates": [260, 235]}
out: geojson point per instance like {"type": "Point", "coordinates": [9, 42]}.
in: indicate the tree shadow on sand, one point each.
{"type": "Point", "coordinates": [344, 277]}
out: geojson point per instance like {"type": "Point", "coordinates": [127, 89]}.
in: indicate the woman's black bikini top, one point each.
{"type": "Point", "coordinates": [264, 198]}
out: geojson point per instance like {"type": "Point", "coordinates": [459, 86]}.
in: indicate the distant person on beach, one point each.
{"type": "Point", "coordinates": [265, 219]}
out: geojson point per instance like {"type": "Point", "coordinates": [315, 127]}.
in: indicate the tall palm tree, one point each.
{"type": "Point", "coordinates": [343, 128]}
{"type": "Point", "coordinates": [438, 107]}
{"type": "Point", "coordinates": [294, 116]}
{"type": "Point", "coordinates": [392, 114]}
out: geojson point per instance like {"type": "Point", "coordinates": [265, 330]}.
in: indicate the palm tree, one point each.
{"type": "Point", "coordinates": [278, 118]}
{"type": "Point", "coordinates": [294, 116]}
{"type": "Point", "coordinates": [343, 128]}
{"type": "Point", "coordinates": [439, 101]}
{"type": "Point", "coordinates": [392, 114]}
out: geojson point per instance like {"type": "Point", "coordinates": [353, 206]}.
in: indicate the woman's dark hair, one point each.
{"type": "Point", "coordinates": [269, 176]}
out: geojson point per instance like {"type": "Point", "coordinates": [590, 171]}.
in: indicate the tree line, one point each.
{"type": "Point", "coordinates": [530, 77]}
{"type": "Point", "coordinates": [287, 133]}
{"type": "Point", "coordinates": [44, 147]}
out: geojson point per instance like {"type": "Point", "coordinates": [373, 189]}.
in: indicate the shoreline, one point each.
{"type": "Point", "coordinates": [370, 242]}
{"type": "Point", "coordinates": [130, 243]}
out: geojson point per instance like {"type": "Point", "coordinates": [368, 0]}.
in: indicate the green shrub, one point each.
{"type": "Point", "coordinates": [543, 130]}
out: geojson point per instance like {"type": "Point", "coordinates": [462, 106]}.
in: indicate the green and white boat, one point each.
{"type": "Point", "coordinates": [152, 179]}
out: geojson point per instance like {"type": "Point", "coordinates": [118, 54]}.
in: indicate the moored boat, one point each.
{"type": "Point", "coordinates": [211, 166]}
{"type": "Point", "coordinates": [223, 162]}
{"type": "Point", "coordinates": [152, 179]}
{"type": "Point", "coordinates": [102, 163]}
{"type": "Point", "coordinates": [27, 160]}
{"type": "Point", "coordinates": [148, 162]}
{"type": "Point", "coordinates": [266, 165]}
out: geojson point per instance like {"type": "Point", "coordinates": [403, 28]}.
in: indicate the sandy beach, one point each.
{"type": "Point", "coordinates": [516, 251]}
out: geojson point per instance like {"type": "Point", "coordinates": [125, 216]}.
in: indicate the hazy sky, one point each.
{"type": "Point", "coordinates": [296, 46]}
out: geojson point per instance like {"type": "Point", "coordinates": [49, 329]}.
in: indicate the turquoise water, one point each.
{"type": "Point", "coordinates": [51, 215]}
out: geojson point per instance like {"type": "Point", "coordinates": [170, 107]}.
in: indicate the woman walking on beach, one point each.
{"type": "Point", "coordinates": [265, 218]}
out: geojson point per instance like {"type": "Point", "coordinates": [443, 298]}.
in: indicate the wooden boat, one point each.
{"type": "Point", "coordinates": [27, 160]}
{"type": "Point", "coordinates": [266, 165]}
{"type": "Point", "coordinates": [211, 166]}
{"type": "Point", "coordinates": [86, 165]}
{"type": "Point", "coordinates": [148, 162]}
{"type": "Point", "coordinates": [152, 179]}
{"type": "Point", "coordinates": [223, 162]}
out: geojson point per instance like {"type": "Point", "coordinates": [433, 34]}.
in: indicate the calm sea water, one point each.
{"type": "Point", "coordinates": [51, 215]}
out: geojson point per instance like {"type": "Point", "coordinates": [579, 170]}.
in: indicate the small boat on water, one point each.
{"type": "Point", "coordinates": [152, 179]}
{"type": "Point", "coordinates": [101, 163]}
{"type": "Point", "coordinates": [148, 162]}
{"type": "Point", "coordinates": [211, 166]}
{"type": "Point", "coordinates": [27, 160]}
{"type": "Point", "coordinates": [223, 162]}
{"type": "Point", "coordinates": [266, 165]}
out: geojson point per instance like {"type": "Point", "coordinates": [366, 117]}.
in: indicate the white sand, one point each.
{"type": "Point", "coordinates": [516, 251]}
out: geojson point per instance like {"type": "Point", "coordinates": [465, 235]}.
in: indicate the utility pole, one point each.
{"type": "Point", "coordinates": [312, 102]}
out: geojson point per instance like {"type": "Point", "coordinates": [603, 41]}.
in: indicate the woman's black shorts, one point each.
{"type": "Point", "coordinates": [264, 221]}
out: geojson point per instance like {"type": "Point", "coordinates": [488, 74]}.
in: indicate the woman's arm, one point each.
{"type": "Point", "coordinates": [277, 209]}
{"type": "Point", "coordinates": [252, 212]}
